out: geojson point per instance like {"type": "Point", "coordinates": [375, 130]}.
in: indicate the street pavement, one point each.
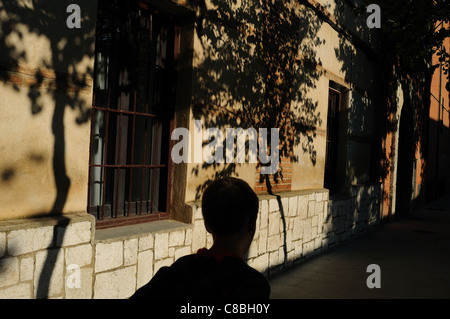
{"type": "Point", "coordinates": [413, 255]}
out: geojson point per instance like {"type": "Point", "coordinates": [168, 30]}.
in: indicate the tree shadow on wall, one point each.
{"type": "Point", "coordinates": [376, 111]}
{"type": "Point", "coordinates": [258, 62]}
{"type": "Point", "coordinates": [56, 73]}
{"type": "Point", "coordinates": [361, 59]}
{"type": "Point", "coordinates": [257, 65]}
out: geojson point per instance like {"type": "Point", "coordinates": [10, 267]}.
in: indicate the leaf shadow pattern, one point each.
{"type": "Point", "coordinates": [55, 73]}
{"type": "Point", "coordinates": [376, 111]}
{"type": "Point", "coordinates": [257, 65]}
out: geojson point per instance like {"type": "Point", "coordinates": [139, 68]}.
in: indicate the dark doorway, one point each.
{"type": "Point", "coordinates": [405, 163]}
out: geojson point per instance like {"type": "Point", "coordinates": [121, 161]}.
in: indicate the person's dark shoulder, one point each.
{"type": "Point", "coordinates": [245, 281]}
{"type": "Point", "coordinates": [183, 261]}
{"type": "Point", "coordinates": [159, 286]}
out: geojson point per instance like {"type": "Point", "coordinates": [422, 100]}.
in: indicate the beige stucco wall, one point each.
{"type": "Point", "coordinates": [28, 186]}
{"type": "Point", "coordinates": [339, 61]}
{"type": "Point", "coordinates": [46, 94]}
{"type": "Point", "coordinates": [27, 146]}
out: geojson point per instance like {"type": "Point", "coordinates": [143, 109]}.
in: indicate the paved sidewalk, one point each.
{"type": "Point", "coordinates": [413, 254]}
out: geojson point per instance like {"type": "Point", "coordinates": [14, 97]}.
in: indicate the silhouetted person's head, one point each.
{"type": "Point", "coordinates": [230, 208]}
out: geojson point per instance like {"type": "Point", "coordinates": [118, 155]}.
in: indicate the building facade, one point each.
{"type": "Point", "coordinates": [92, 203]}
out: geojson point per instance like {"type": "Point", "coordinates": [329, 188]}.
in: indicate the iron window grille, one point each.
{"type": "Point", "coordinates": [133, 102]}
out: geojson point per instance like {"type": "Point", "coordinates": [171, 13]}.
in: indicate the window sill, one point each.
{"type": "Point", "coordinates": [137, 230]}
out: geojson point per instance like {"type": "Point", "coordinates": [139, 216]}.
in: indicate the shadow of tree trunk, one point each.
{"type": "Point", "coordinates": [282, 215]}
{"type": "Point", "coordinates": [57, 72]}
{"type": "Point", "coordinates": [62, 183]}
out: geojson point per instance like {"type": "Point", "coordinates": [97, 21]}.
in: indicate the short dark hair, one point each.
{"type": "Point", "coordinates": [227, 205]}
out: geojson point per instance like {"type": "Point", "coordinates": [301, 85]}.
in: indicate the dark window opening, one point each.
{"type": "Point", "coordinates": [133, 103]}
{"type": "Point", "coordinates": [331, 155]}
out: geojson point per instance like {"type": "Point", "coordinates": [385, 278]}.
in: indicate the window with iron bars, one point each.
{"type": "Point", "coordinates": [133, 102]}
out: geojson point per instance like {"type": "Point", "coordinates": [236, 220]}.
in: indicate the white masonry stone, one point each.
{"type": "Point", "coordinates": [317, 243]}
{"type": "Point", "coordinates": [209, 240]}
{"type": "Point", "coordinates": [9, 271]}
{"type": "Point", "coordinates": [260, 263]}
{"type": "Point", "coordinates": [198, 215]}
{"type": "Point", "coordinates": [74, 234]}
{"type": "Point", "coordinates": [298, 249]}
{"type": "Point", "coordinates": [2, 244]}
{"type": "Point", "coordinates": [79, 255]}
{"type": "Point", "coordinates": [320, 223]}
{"type": "Point", "coordinates": [85, 289]}
{"type": "Point", "coordinates": [297, 230]}
{"type": "Point", "coordinates": [188, 237]}
{"type": "Point", "coordinates": [49, 275]}
{"type": "Point", "coordinates": [145, 268]}
{"type": "Point", "coordinates": [108, 256]}
{"type": "Point", "coordinates": [285, 205]}
{"type": "Point", "coordinates": [319, 196]}
{"type": "Point", "coordinates": [319, 208]}
{"type": "Point", "coordinates": [24, 241]}
{"type": "Point", "coordinates": [274, 224]}
{"type": "Point", "coordinates": [19, 291]}
{"type": "Point", "coordinates": [282, 224]}
{"type": "Point", "coordinates": [146, 242]}
{"type": "Point", "coordinates": [274, 242]}
{"type": "Point", "coordinates": [264, 214]}
{"type": "Point", "coordinates": [117, 284]}
{"type": "Point", "coordinates": [306, 228]}
{"type": "Point", "coordinates": [288, 240]}
{"type": "Point", "coordinates": [273, 205]}
{"type": "Point", "coordinates": [303, 206]}
{"type": "Point", "coordinates": [292, 206]}
{"type": "Point", "coordinates": [26, 268]}
{"type": "Point", "coordinates": [262, 241]}
{"type": "Point", "coordinates": [273, 259]}
{"type": "Point", "coordinates": [308, 247]}
{"type": "Point", "coordinates": [314, 233]}
{"type": "Point", "coordinates": [161, 245]}
{"type": "Point", "coordinates": [176, 238]}
{"type": "Point", "coordinates": [281, 256]}
{"type": "Point", "coordinates": [130, 251]}
{"type": "Point", "coordinates": [315, 220]}
{"type": "Point", "coordinates": [258, 221]}
{"type": "Point", "coordinates": [311, 208]}
{"type": "Point", "coordinates": [253, 249]}
{"type": "Point", "coordinates": [199, 235]}
{"type": "Point", "coordinates": [290, 223]}
{"type": "Point", "coordinates": [291, 256]}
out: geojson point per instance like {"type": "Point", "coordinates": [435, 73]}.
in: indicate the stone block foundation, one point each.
{"type": "Point", "coordinates": [65, 257]}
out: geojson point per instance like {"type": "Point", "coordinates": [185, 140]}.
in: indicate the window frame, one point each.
{"type": "Point", "coordinates": [332, 143]}
{"type": "Point", "coordinates": [139, 216]}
